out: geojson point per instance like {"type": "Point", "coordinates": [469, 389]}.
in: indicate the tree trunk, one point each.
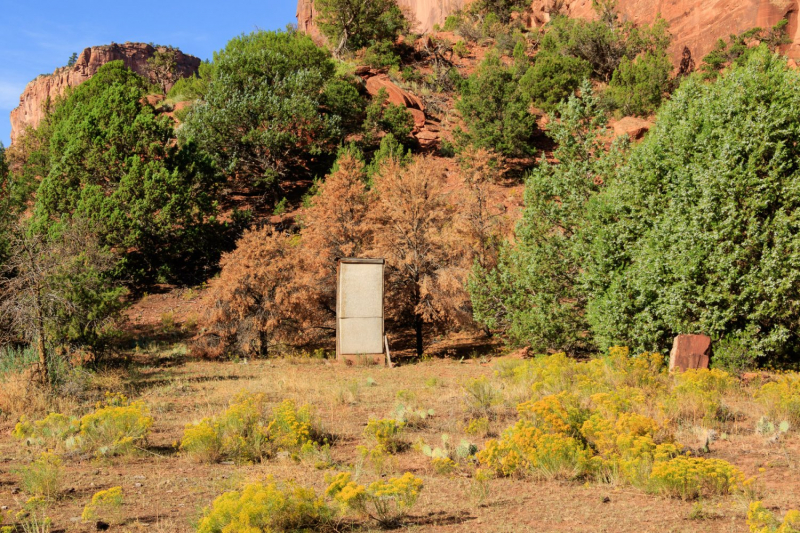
{"type": "Point", "coordinates": [418, 329]}
{"type": "Point", "coordinates": [40, 341]}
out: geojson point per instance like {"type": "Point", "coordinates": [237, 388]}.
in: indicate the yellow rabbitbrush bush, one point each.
{"type": "Point", "coordinates": [525, 450]}
{"type": "Point", "coordinates": [552, 374]}
{"type": "Point", "coordinates": [781, 398]}
{"type": "Point", "coordinates": [697, 395]}
{"type": "Point", "coordinates": [761, 520]}
{"type": "Point", "coordinates": [245, 432]}
{"type": "Point", "coordinates": [386, 502]}
{"type": "Point", "coordinates": [625, 447]}
{"type": "Point", "coordinates": [116, 427]}
{"type": "Point", "coordinates": [386, 433]}
{"type": "Point", "coordinates": [270, 506]}
{"type": "Point", "coordinates": [43, 477]}
{"type": "Point", "coordinates": [688, 478]}
{"type": "Point", "coordinates": [105, 504]}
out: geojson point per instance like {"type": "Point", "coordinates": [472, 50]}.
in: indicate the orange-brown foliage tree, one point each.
{"type": "Point", "coordinates": [336, 226]}
{"type": "Point", "coordinates": [415, 233]}
{"type": "Point", "coordinates": [279, 289]}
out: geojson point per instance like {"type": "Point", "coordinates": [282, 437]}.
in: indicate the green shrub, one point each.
{"type": "Point", "coordinates": [695, 233]}
{"type": "Point", "coordinates": [495, 109]}
{"type": "Point", "coordinates": [605, 42]}
{"type": "Point", "coordinates": [147, 197]}
{"type": "Point", "coordinates": [383, 116]}
{"type": "Point", "coordinates": [245, 432]}
{"type": "Point", "coordinates": [553, 78]}
{"type": "Point", "coordinates": [354, 24]}
{"type": "Point", "coordinates": [534, 293]}
{"type": "Point", "coordinates": [738, 49]}
{"type": "Point", "coordinates": [637, 86]}
{"type": "Point", "coordinates": [274, 100]}
{"type": "Point", "coordinates": [382, 55]}
{"type": "Point", "coordinates": [43, 477]}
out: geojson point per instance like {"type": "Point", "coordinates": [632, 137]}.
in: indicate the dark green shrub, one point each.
{"type": "Point", "coordinates": [387, 117]}
{"type": "Point", "coordinates": [534, 294]}
{"type": "Point", "coordinates": [738, 48]}
{"type": "Point", "coordinates": [699, 231]}
{"type": "Point", "coordinates": [553, 78]}
{"type": "Point", "coordinates": [495, 109]}
{"type": "Point", "coordinates": [354, 24]}
{"type": "Point", "coordinates": [603, 43]}
{"type": "Point", "coordinates": [273, 111]}
{"type": "Point", "coordinates": [114, 163]}
{"type": "Point", "coordinates": [637, 87]}
{"type": "Point", "coordinates": [501, 9]}
{"type": "Point", "coordinates": [194, 87]}
{"type": "Point", "coordinates": [382, 54]}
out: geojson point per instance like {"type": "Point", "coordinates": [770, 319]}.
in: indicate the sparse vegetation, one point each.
{"type": "Point", "coordinates": [526, 242]}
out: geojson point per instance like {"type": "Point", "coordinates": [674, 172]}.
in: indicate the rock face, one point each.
{"type": "Point", "coordinates": [690, 351]}
{"type": "Point", "coordinates": [696, 25]}
{"type": "Point", "coordinates": [423, 14]}
{"type": "Point", "coordinates": [135, 55]}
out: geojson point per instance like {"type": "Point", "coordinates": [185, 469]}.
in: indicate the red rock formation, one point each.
{"type": "Point", "coordinates": [423, 14]}
{"type": "Point", "coordinates": [135, 55]}
{"type": "Point", "coordinates": [696, 25]}
{"type": "Point", "coordinates": [633, 127]}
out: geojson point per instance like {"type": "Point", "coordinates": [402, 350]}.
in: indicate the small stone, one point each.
{"type": "Point", "coordinates": [606, 499]}
{"type": "Point", "coordinates": [137, 484]}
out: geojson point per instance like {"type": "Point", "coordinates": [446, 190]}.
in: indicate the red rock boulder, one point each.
{"type": "Point", "coordinates": [633, 127]}
{"type": "Point", "coordinates": [690, 351]}
{"type": "Point", "coordinates": [397, 95]}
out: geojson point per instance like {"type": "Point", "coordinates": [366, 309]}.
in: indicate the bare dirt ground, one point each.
{"type": "Point", "coordinates": [167, 492]}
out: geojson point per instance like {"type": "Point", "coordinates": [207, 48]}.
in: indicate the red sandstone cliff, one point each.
{"type": "Point", "coordinates": [694, 24]}
{"type": "Point", "coordinates": [135, 55]}
{"type": "Point", "coordinates": [423, 14]}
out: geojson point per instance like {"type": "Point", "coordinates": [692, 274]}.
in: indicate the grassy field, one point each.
{"type": "Point", "coordinates": [167, 490]}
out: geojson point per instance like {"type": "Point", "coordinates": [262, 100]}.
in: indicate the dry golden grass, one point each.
{"type": "Point", "coordinates": [166, 492]}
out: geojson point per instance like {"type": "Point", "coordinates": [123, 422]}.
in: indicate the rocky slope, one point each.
{"type": "Point", "coordinates": [696, 25]}
{"type": "Point", "coordinates": [135, 55]}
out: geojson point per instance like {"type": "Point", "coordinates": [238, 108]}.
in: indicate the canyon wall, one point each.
{"type": "Point", "coordinates": [423, 14]}
{"type": "Point", "coordinates": [135, 55]}
{"type": "Point", "coordinates": [696, 25]}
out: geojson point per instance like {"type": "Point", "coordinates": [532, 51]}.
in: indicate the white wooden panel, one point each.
{"type": "Point", "coordinates": [361, 291]}
{"type": "Point", "coordinates": [361, 335]}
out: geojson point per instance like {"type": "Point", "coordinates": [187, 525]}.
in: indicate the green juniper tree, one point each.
{"type": "Point", "coordinates": [534, 293]}
{"type": "Point", "coordinates": [112, 161]}
{"type": "Point", "coordinates": [354, 24]}
{"type": "Point", "coordinates": [273, 110]}
{"type": "Point", "coordinates": [700, 230]}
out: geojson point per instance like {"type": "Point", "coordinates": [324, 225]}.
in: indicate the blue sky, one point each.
{"type": "Point", "coordinates": [38, 37]}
